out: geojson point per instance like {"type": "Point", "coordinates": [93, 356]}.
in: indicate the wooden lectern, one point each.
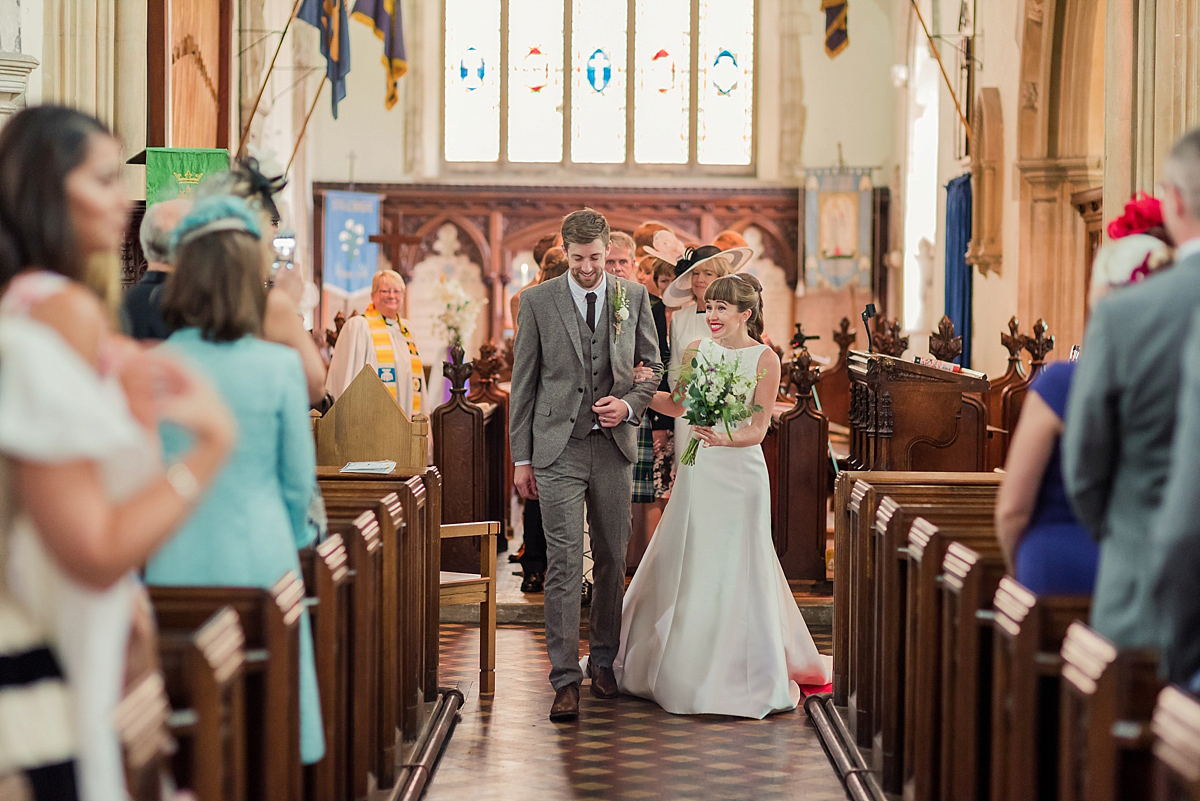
{"type": "Point", "coordinates": [909, 416]}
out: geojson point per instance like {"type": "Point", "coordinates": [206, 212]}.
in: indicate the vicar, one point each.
{"type": "Point", "coordinates": [380, 338]}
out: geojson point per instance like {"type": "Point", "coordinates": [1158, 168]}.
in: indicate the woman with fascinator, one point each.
{"type": "Point", "coordinates": [709, 625]}
{"type": "Point", "coordinates": [247, 530]}
{"type": "Point", "coordinates": [1047, 549]}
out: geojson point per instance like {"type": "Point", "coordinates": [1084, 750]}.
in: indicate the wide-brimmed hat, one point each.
{"type": "Point", "coordinates": [666, 246]}
{"type": "Point", "coordinates": [680, 290]}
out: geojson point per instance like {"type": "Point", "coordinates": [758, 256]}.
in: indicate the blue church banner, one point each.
{"type": "Point", "coordinates": [837, 228]}
{"type": "Point", "coordinates": [351, 258]}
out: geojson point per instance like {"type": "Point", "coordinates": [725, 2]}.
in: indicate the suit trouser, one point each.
{"type": "Point", "coordinates": [534, 537]}
{"type": "Point", "coordinates": [594, 470]}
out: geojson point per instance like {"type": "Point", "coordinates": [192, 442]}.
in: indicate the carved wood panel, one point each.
{"type": "Point", "coordinates": [497, 222]}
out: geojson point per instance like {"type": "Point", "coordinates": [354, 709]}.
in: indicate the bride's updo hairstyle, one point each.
{"type": "Point", "coordinates": [745, 292]}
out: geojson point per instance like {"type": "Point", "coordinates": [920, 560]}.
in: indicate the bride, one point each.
{"type": "Point", "coordinates": [709, 623]}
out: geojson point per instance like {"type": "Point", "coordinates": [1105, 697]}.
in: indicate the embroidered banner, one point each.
{"type": "Point", "coordinates": [174, 172]}
{"type": "Point", "coordinates": [837, 228]}
{"type": "Point", "coordinates": [836, 35]}
{"type": "Point", "coordinates": [351, 258]}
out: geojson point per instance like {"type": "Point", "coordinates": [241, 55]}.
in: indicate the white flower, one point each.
{"type": "Point", "coordinates": [622, 314]}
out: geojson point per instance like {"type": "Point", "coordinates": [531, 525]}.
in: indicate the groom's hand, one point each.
{"type": "Point", "coordinates": [525, 482]}
{"type": "Point", "coordinates": [610, 411]}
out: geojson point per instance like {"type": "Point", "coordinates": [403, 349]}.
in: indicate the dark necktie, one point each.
{"type": "Point", "coordinates": [591, 312]}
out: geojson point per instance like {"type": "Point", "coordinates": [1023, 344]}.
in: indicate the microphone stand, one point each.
{"type": "Point", "coordinates": [867, 314]}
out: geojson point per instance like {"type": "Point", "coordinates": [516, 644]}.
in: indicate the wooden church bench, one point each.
{"type": "Point", "coordinates": [270, 621]}
{"type": "Point", "coordinates": [1029, 631]}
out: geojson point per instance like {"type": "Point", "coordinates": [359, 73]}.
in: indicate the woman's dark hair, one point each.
{"type": "Point", "coordinates": [39, 147]}
{"type": "Point", "coordinates": [745, 292]}
{"type": "Point", "coordinates": [218, 286]}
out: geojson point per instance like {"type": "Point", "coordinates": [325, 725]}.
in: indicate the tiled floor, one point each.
{"type": "Point", "coordinates": [627, 748]}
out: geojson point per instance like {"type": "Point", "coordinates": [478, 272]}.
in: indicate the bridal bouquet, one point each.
{"type": "Point", "coordinates": [715, 393]}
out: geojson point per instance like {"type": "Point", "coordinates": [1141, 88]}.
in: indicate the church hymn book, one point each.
{"type": "Point", "coordinates": [382, 468]}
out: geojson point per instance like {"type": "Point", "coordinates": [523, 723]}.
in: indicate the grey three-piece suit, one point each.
{"type": "Point", "coordinates": [1117, 443]}
{"type": "Point", "coordinates": [560, 369]}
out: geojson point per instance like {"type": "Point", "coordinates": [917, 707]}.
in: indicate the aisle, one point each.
{"type": "Point", "coordinates": [621, 749]}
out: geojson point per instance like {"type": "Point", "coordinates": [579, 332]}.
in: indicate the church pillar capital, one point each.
{"type": "Point", "coordinates": [14, 80]}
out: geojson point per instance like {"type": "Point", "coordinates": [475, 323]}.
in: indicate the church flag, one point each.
{"type": "Point", "coordinates": [836, 35]}
{"type": "Point", "coordinates": [350, 258]}
{"type": "Point", "coordinates": [329, 17]}
{"type": "Point", "coordinates": [383, 16]}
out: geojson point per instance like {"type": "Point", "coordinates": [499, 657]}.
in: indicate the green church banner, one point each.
{"type": "Point", "coordinates": [174, 172]}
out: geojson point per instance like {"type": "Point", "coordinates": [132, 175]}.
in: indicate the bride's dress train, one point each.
{"type": "Point", "coordinates": [709, 623]}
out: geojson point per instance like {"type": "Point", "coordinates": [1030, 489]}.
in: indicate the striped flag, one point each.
{"type": "Point", "coordinates": [329, 17]}
{"type": "Point", "coordinates": [836, 36]}
{"type": "Point", "coordinates": [384, 18]}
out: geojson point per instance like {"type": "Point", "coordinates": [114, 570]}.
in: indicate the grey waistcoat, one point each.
{"type": "Point", "coordinates": [595, 353]}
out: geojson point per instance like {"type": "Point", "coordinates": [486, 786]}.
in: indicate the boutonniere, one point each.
{"type": "Point", "coordinates": [619, 301]}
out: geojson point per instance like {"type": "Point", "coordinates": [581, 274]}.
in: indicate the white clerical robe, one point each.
{"type": "Point", "coordinates": [355, 348]}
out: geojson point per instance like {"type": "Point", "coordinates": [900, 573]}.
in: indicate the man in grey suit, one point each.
{"type": "Point", "coordinates": [1176, 545]}
{"type": "Point", "coordinates": [1122, 410]}
{"type": "Point", "coordinates": [574, 411]}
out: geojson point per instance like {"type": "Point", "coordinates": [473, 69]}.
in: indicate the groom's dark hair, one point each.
{"type": "Point", "coordinates": [584, 227]}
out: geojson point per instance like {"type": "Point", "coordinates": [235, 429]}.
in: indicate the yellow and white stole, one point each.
{"type": "Point", "coordinates": [385, 358]}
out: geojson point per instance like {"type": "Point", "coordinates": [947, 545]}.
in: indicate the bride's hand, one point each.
{"type": "Point", "coordinates": [710, 437]}
{"type": "Point", "coordinates": [642, 373]}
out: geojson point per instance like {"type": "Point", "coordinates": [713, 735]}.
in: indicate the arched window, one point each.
{"type": "Point", "coordinates": [599, 82]}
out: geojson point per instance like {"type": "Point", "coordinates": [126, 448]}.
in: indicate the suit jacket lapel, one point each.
{"type": "Point", "coordinates": [616, 353]}
{"type": "Point", "coordinates": [570, 316]}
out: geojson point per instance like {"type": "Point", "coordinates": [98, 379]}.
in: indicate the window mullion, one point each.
{"type": "Point", "coordinates": [694, 89]}
{"type": "Point", "coordinates": [568, 78]}
{"type": "Point", "coordinates": [503, 160]}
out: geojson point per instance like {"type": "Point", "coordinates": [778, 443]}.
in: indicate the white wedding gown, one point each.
{"type": "Point", "coordinates": [709, 623]}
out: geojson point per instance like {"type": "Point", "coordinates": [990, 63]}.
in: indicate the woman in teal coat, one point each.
{"type": "Point", "coordinates": [246, 531]}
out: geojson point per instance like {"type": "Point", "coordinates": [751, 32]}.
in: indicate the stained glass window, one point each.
{"type": "Point", "coordinates": [472, 82]}
{"type": "Point", "coordinates": [662, 81]}
{"type": "Point", "coordinates": [725, 102]}
{"type": "Point", "coordinates": [599, 48]}
{"type": "Point", "coordinates": [535, 80]}
{"type": "Point", "coordinates": [525, 77]}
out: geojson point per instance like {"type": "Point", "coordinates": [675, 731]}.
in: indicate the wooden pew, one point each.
{"type": "Point", "coordinates": [1029, 632]}
{"type": "Point", "coordinates": [468, 449]}
{"type": "Point", "coordinates": [885, 663]}
{"type": "Point", "coordinates": [1176, 730]}
{"type": "Point", "coordinates": [834, 391]}
{"type": "Point", "coordinates": [327, 580]}
{"type": "Point", "coordinates": [1108, 699]}
{"type": "Point", "coordinates": [1012, 397]}
{"type": "Point", "coordinates": [927, 548]}
{"type": "Point", "coordinates": [364, 556]}
{"type": "Point", "coordinates": [907, 416]}
{"type": "Point", "coordinates": [141, 723]}
{"type": "Point", "coordinates": [1014, 375]}
{"type": "Point", "coordinates": [485, 390]}
{"type": "Point", "coordinates": [796, 450]}
{"type": "Point", "coordinates": [857, 497]}
{"type": "Point", "coordinates": [270, 621]}
{"type": "Point", "coordinates": [204, 674]}
{"type": "Point", "coordinates": [969, 582]}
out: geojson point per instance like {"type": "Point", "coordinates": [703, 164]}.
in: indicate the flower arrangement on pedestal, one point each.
{"type": "Point", "coordinates": [457, 319]}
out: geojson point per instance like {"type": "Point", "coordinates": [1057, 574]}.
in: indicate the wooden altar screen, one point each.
{"type": "Point", "coordinates": [497, 222]}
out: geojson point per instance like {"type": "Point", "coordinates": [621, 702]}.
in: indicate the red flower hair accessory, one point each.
{"type": "Point", "coordinates": [1142, 213]}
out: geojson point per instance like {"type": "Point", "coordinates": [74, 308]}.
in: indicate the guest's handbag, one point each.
{"type": "Point", "coordinates": [37, 741]}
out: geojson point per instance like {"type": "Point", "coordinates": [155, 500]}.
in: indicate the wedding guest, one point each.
{"type": "Point", "coordinates": [1121, 414]}
{"type": "Point", "coordinates": [729, 239]}
{"type": "Point", "coordinates": [539, 255]}
{"type": "Point", "coordinates": [247, 531]}
{"type": "Point", "coordinates": [619, 261]}
{"type": "Point", "coordinates": [643, 235]}
{"type": "Point", "coordinates": [88, 500]}
{"type": "Point", "coordinates": [1046, 547]}
{"type": "Point", "coordinates": [379, 337]}
{"type": "Point", "coordinates": [698, 268]}
{"type": "Point", "coordinates": [283, 322]}
{"type": "Point", "coordinates": [140, 314]}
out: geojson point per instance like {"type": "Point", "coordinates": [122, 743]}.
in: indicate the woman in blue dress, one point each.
{"type": "Point", "coordinates": [248, 528]}
{"type": "Point", "coordinates": [1046, 548]}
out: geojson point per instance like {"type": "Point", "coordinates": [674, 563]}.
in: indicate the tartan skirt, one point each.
{"type": "Point", "coordinates": [643, 468]}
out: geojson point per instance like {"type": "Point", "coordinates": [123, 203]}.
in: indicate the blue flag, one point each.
{"type": "Point", "coordinates": [384, 18]}
{"type": "Point", "coordinates": [329, 17]}
{"type": "Point", "coordinates": [351, 258]}
{"type": "Point", "coordinates": [836, 35]}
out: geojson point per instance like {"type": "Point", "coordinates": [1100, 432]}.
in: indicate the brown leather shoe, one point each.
{"type": "Point", "coordinates": [604, 681]}
{"type": "Point", "coordinates": [566, 704]}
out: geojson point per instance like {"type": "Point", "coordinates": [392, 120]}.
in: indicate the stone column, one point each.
{"type": "Point", "coordinates": [80, 55]}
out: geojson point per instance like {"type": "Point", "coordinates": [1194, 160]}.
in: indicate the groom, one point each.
{"type": "Point", "coordinates": [574, 411]}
